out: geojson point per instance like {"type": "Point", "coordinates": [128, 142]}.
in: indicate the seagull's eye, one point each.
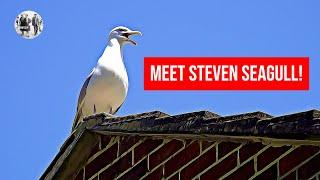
{"type": "Point", "coordinates": [121, 29]}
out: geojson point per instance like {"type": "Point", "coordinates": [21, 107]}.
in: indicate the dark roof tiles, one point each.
{"type": "Point", "coordinates": [297, 125]}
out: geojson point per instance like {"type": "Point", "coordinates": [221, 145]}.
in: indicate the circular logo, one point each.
{"type": "Point", "coordinates": [28, 24]}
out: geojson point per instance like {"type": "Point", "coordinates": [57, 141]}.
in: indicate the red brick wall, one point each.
{"type": "Point", "coordinates": [132, 157]}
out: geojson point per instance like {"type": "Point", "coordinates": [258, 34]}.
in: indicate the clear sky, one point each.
{"type": "Point", "coordinates": [41, 78]}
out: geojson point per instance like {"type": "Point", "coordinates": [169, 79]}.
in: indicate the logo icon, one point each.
{"type": "Point", "coordinates": [28, 24]}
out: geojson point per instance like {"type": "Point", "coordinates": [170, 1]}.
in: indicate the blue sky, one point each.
{"type": "Point", "coordinates": [41, 78]}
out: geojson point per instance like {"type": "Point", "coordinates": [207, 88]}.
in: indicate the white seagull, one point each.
{"type": "Point", "coordinates": [106, 87]}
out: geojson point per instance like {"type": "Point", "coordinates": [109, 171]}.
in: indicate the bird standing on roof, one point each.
{"type": "Point", "coordinates": [106, 87]}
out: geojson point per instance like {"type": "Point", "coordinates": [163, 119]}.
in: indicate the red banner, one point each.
{"type": "Point", "coordinates": [226, 73]}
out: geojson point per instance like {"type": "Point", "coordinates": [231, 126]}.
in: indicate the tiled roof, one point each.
{"type": "Point", "coordinates": [297, 126]}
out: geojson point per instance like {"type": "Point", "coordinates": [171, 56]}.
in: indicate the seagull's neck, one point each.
{"type": "Point", "coordinates": [112, 55]}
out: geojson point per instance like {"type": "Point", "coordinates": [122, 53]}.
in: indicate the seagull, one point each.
{"type": "Point", "coordinates": [106, 87]}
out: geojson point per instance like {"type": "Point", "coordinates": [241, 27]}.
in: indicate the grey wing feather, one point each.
{"type": "Point", "coordinates": [117, 109]}
{"type": "Point", "coordinates": [80, 100]}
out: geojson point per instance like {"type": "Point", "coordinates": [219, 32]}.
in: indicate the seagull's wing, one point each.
{"type": "Point", "coordinates": [81, 100]}
{"type": "Point", "coordinates": [117, 109]}
{"type": "Point", "coordinates": [84, 90]}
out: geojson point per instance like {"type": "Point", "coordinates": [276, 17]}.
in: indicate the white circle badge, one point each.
{"type": "Point", "coordinates": [28, 24]}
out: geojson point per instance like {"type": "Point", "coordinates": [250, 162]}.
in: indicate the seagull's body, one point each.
{"type": "Point", "coordinates": [106, 87]}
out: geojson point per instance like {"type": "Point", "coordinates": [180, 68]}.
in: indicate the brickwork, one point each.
{"type": "Point", "coordinates": [130, 157]}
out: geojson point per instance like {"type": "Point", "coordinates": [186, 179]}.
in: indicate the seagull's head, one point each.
{"type": "Point", "coordinates": [122, 34]}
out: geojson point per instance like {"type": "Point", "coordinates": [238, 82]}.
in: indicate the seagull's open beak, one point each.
{"type": "Point", "coordinates": [129, 33]}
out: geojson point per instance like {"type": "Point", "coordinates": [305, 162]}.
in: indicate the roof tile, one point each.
{"type": "Point", "coordinates": [205, 122]}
